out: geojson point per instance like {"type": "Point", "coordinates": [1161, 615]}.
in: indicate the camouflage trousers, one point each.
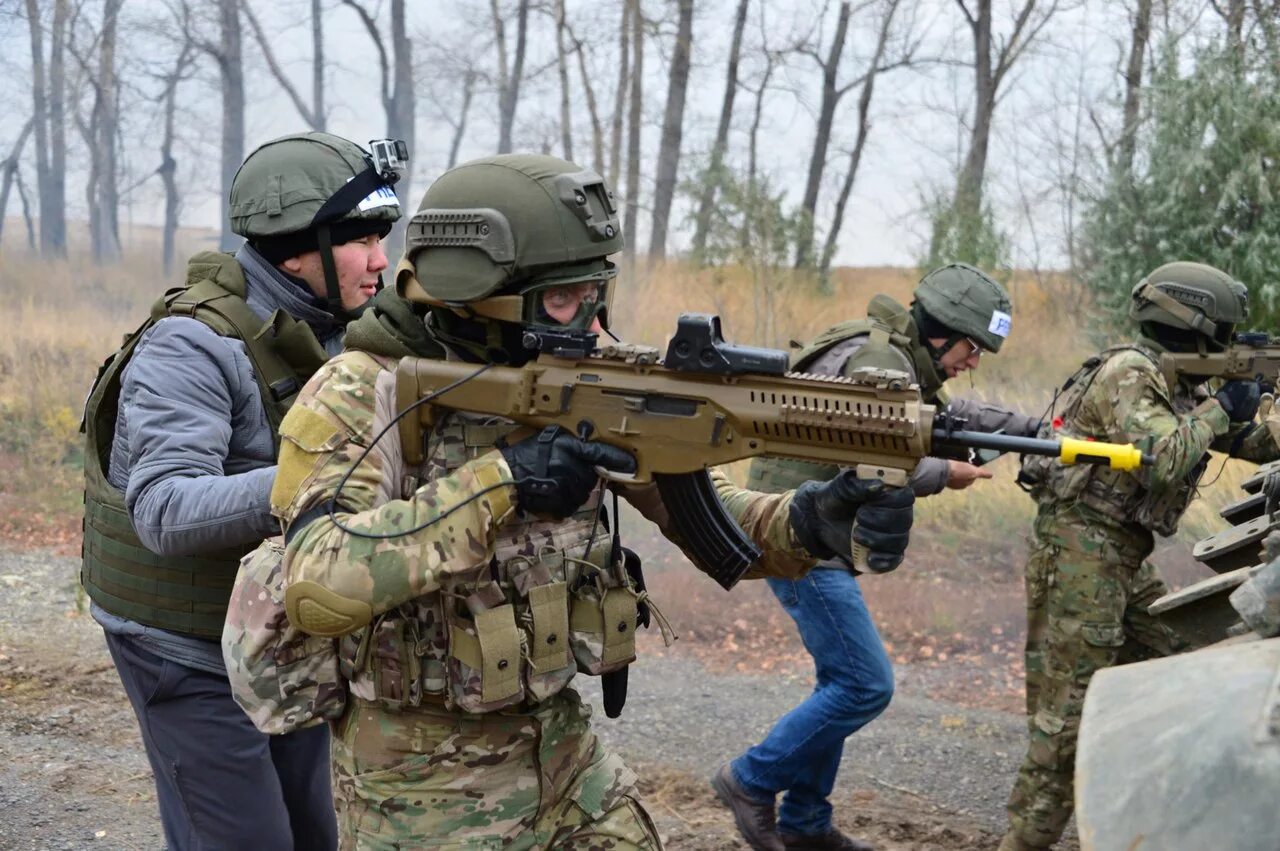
{"type": "Point", "coordinates": [432, 778]}
{"type": "Point", "coordinates": [1087, 599]}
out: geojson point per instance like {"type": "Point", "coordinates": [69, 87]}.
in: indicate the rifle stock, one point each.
{"type": "Point", "coordinates": [708, 403]}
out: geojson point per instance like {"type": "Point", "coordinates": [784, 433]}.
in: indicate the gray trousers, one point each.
{"type": "Point", "coordinates": [220, 783]}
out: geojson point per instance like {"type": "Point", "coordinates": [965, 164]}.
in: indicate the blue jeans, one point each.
{"type": "Point", "coordinates": [801, 754]}
{"type": "Point", "coordinates": [220, 783]}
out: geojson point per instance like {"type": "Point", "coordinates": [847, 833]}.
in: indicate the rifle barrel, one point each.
{"type": "Point", "coordinates": [1067, 450]}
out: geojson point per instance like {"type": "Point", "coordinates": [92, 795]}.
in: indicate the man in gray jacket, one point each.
{"type": "Point", "coordinates": [958, 313]}
{"type": "Point", "coordinates": [181, 428]}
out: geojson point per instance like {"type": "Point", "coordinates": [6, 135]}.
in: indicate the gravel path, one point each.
{"type": "Point", "coordinates": [73, 775]}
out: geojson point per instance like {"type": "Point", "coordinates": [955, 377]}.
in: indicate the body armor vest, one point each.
{"type": "Point", "coordinates": [184, 594]}
{"type": "Point", "coordinates": [553, 600]}
{"type": "Point", "coordinates": [891, 339]}
{"type": "Point", "coordinates": [1117, 495]}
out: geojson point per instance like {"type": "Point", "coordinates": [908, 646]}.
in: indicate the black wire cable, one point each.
{"type": "Point", "coordinates": [333, 501]}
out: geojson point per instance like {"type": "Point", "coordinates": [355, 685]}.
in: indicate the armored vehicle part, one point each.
{"type": "Point", "coordinates": [1182, 753]}
{"type": "Point", "coordinates": [1253, 484]}
{"type": "Point", "coordinates": [1239, 546]}
{"type": "Point", "coordinates": [1251, 507]}
{"type": "Point", "coordinates": [1202, 613]}
{"type": "Point", "coordinates": [1258, 600]}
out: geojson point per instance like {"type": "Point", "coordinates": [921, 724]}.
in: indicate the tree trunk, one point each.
{"type": "Point", "coordinates": [620, 94]}
{"type": "Point", "coordinates": [1232, 13]}
{"type": "Point", "coordinates": [509, 95]}
{"type": "Point", "coordinates": [401, 119]}
{"type": "Point", "coordinates": [635, 119]}
{"type": "Point", "coordinates": [40, 111]}
{"type": "Point", "coordinates": [712, 182]}
{"type": "Point", "coordinates": [822, 138]}
{"type": "Point", "coordinates": [562, 67]}
{"type": "Point", "coordinates": [10, 170]}
{"type": "Point", "coordinates": [53, 206]}
{"type": "Point", "coordinates": [26, 210]}
{"type": "Point", "coordinates": [1133, 85]}
{"type": "Point", "coordinates": [753, 148]}
{"type": "Point", "coordinates": [319, 120]}
{"type": "Point", "coordinates": [597, 131]}
{"type": "Point", "coordinates": [231, 75]}
{"type": "Point", "coordinates": [460, 129]}
{"type": "Point", "coordinates": [855, 156]}
{"type": "Point", "coordinates": [168, 169]}
{"type": "Point", "coordinates": [672, 132]}
{"type": "Point", "coordinates": [968, 202]}
{"type": "Point", "coordinates": [108, 132]}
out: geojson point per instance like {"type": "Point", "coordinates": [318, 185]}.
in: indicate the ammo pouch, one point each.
{"type": "Point", "coordinates": [485, 651]}
{"type": "Point", "coordinates": [544, 621]}
{"type": "Point", "coordinates": [603, 613]}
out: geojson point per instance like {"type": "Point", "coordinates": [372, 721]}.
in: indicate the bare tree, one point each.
{"type": "Point", "coordinates": [100, 128]}
{"type": "Point", "coordinates": [664, 189]}
{"type": "Point", "coordinates": [9, 170]}
{"type": "Point", "coordinates": [990, 71]}
{"type": "Point", "coordinates": [1232, 13]}
{"type": "Point", "coordinates": [721, 142]}
{"type": "Point", "coordinates": [635, 116]}
{"type": "Point", "coordinates": [168, 169]}
{"type": "Point", "coordinates": [460, 126]}
{"type": "Point", "coordinates": [314, 114]}
{"type": "Point", "coordinates": [510, 69]}
{"type": "Point", "coordinates": [397, 83]}
{"type": "Point", "coordinates": [1141, 33]}
{"type": "Point", "coordinates": [620, 93]}
{"type": "Point", "coordinates": [562, 66]}
{"type": "Point", "coordinates": [588, 90]}
{"type": "Point", "coordinates": [228, 55]}
{"type": "Point", "coordinates": [890, 8]}
{"type": "Point", "coordinates": [49, 105]}
{"type": "Point", "coordinates": [832, 91]}
{"type": "Point", "coordinates": [26, 210]}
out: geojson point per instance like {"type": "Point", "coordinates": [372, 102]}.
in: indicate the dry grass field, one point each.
{"type": "Point", "coordinates": [957, 597]}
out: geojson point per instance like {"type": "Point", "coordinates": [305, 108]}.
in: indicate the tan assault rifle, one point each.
{"type": "Point", "coordinates": [709, 403]}
{"type": "Point", "coordinates": [1253, 355]}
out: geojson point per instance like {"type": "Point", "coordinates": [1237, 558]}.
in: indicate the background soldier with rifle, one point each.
{"type": "Point", "coordinates": [1088, 581]}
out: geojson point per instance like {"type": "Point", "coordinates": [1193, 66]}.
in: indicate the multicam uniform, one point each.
{"type": "Point", "coordinates": [1088, 582]}
{"type": "Point", "coordinates": [462, 723]}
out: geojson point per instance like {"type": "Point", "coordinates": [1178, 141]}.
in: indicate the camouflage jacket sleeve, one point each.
{"type": "Point", "coordinates": [1251, 442]}
{"type": "Point", "coordinates": [323, 436]}
{"type": "Point", "coordinates": [1128, 402]}
{"type": "Point", "coordinates": [765, 518]}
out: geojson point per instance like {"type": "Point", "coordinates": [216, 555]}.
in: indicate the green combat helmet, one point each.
{"type": "Point", "coordinates": [969, 303]}
{"type": "Point", "coordinates": [1190, 297]}
{"type": "Point", "coordinates": [492, 234]}
{"type": "Point", "coordinates": [312, 191]}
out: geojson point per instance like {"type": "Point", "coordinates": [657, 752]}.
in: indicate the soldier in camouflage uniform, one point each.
{"type": "Point", "coordinates": [957, 313]}
{"type": "Point", "coordinates": [1088, 581]}
{"type": "Point", "coordinates": [466, 590]}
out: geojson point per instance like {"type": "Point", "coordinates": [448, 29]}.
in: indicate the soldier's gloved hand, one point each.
{"type": "Point", "coordinates": [1240, 399]}
{"type": "Point", "coordinates": [555, 471]}
{"type": "Point", "coordinates": [823, 515]}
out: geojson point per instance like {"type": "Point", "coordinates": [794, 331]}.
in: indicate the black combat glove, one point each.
{"type": "Point", "coordinates": [555, 471]}
{"type": "Point", "coordinates": [1240, 399]}
{"type": "Point", "coordinates": [828, 516]}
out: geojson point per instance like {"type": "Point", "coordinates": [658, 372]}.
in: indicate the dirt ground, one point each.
{"type": "Point", "coordinates": [929, 774]}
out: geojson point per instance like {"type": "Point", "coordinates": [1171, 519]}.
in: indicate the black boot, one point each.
{"type": "Point", "coordinates": [832, 840]}
{"type": "Point", "coordinates": [755, 818]}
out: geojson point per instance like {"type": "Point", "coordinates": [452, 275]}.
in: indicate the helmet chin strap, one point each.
{"type": "Point", "coordinates": [333, 291]}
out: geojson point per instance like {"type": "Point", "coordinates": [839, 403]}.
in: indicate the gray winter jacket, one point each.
{"type": "Point", "coordinates": [193, 451]}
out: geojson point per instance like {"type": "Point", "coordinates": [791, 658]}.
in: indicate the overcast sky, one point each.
{"type": "Point", "coordinates": [918, 136]}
